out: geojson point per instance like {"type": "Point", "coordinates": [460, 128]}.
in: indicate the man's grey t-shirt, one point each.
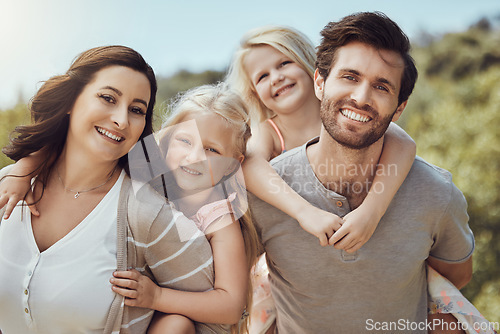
{"type": "Point", "coordinates": [324, 290]}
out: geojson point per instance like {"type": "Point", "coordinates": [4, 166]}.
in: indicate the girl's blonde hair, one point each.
{"type": "Point", "coordinates": [292, 43]}
{"type": "Point", "coordinates": [221, 100]}
{"type": "Point", "coordinates": [218, 99]}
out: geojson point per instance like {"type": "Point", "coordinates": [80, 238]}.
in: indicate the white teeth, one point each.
{"type": "Point", "coordinates": [109, 134]}
{"type": "Point", "coordinates": [282, 90]}
{"type": "Point", "coordinates": [354, 116]}
{"type": "Point", "coordinates": [190, 171]}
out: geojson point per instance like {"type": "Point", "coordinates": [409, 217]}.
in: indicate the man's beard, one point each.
{"type": "Point", "coordinates": [347, 136]}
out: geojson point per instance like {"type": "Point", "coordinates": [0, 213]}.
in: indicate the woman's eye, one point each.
{"type": "Point", "coordinates": [107, 98]}
{"type": "Point", "coordinates": [286, 62]}
{"type": "Point", "coordinates": [137, 110]}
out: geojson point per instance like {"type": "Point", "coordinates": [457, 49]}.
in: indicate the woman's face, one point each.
{"type": "Point", "coordinates": [109, 115]}
{"type": "Point", "coordinates": [200, 152]}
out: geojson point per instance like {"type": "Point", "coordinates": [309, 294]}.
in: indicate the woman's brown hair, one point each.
{"type": "Point", "coordinates": [50, 106]}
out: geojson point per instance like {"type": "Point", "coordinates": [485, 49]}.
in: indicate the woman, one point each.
{"type": "Point", "coordinates": [55, 267]}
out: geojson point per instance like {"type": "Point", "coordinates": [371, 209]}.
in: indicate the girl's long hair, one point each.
{"type": "Point", "coordinates": [222, 101]}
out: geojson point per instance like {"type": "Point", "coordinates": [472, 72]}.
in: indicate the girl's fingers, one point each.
{"type": "Point", "coordinates": [124, 283]}
{"type": "Point", "coordinates": [135, 273]}
{"type": "Point", "coordinates": [338, 235]}
{"type": "Point", "coordinates": [345, 242]}
{"type": "Point", "coordinates": [125, 292]}
{"type": "Point", "coordinates": [129, 274]}
{"type": "Point", "coordinates": [11, 204]}
{"type": "Point", "coordinates": [32, 207]}
{"type": "Point", "coordinates": [3, 200]}
{"type": "Point", "coordinates": [323, 241]}
{"type": "Point", "coordinates": [354, 248]}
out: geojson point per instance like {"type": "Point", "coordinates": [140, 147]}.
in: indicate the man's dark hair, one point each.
{"type": "Point", "coordinates": [374, 29]}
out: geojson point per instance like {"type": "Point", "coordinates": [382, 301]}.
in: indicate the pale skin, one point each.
{"type": "Point", "coordinates": [285, 87]}
{"type": "Point", "coordinates": [88, 159]}
{"type": "Point", "coordinates": [225, 303]}
{"type": "Point", "coordinates": [354, 76]}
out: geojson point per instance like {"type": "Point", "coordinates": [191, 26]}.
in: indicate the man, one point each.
{"type": "Point", "coordinates": [364, 77]}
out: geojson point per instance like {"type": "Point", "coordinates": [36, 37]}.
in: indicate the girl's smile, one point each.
{"type": "Point", "coordinates": [280, 83]}
{"type": "Point", "coordinates": [200, 151]}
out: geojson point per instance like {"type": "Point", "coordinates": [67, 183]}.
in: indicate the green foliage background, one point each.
{"type": "Point", "coordinates": [454, 117]}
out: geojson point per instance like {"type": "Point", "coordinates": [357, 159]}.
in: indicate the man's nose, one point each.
{"type": "Point", "coordinates": [362, 94]}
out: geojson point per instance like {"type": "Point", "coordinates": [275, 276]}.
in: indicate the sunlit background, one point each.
{"type": "Point", "coordinates": [453, 114]}
{"type": "Point", "coordinates": [39, 38]}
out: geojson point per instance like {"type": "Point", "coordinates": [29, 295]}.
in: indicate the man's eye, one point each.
{"type": "Point", "coordinates": [349, 77]}
{"type": "Point", "coordinates": [382, 88]}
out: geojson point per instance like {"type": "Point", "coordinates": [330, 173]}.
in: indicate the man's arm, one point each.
{"type": "Point", "coordinates": [457, 273]}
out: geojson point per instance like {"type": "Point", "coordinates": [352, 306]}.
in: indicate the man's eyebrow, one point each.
{"type": "Point", "coordinates": [387, 82]}
{"type": "Point", "coordinates": [350, 70]}
{"type": "Point", "coordinates": [117, 91]}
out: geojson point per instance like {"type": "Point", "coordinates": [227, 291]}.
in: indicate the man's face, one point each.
{"type": "Point", "coordinates": [359, 98]}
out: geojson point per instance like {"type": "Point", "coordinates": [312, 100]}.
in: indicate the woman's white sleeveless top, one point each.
{"type": "Point", "coordinates": [64, 289]}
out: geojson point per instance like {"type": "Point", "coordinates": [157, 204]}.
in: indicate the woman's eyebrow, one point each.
{"type": "Point", "coordinates": [117, 91]}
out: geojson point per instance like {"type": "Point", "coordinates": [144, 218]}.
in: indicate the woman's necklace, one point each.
{"type": "Point", "coordinates": [78, 192]}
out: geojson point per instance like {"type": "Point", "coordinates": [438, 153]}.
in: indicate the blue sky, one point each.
{"type": "Point", "coordinates": [39, 38]}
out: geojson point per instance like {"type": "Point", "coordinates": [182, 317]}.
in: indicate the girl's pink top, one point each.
{"type": "Point", "coordinates": [209, 213]}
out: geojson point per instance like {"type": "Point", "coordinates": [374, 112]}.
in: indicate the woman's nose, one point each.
{"type": "Point", "coordinates": [119, 117]}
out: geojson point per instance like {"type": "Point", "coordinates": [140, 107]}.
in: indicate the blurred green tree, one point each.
{"type": "Point", "coordinates": [169, 87]}
{"type": "Point", "coordinates": [454, 117]}
{"type": "Point", "coordinates": [10, 119]}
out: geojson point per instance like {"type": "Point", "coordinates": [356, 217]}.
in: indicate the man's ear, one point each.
{"type": "Point", "coordinates": [399, 111]}
{"type": "Point", "coordinates": [319, 85]}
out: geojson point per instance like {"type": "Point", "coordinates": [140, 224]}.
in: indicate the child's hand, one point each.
{"type": "Point", "coordinates": [139, 290]}
{"type": "Point", "coordinates": [12, 190]}
{"type": "Point", "coordinates": [356, 230]}
{"type": "Point", "coordinates": [321, 224]}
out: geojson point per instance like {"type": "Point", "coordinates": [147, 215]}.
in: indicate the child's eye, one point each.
{"type": "Point", "coordinates": [107, 98]}
{"type": "Point", "coordinates": [262, 77]}
{"type": "Point", "coordinates": [286, 62]}
{"type": "Point", "coordinates": [213, 150]}
{"type": "Point", "coordinates": [184, 140]}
